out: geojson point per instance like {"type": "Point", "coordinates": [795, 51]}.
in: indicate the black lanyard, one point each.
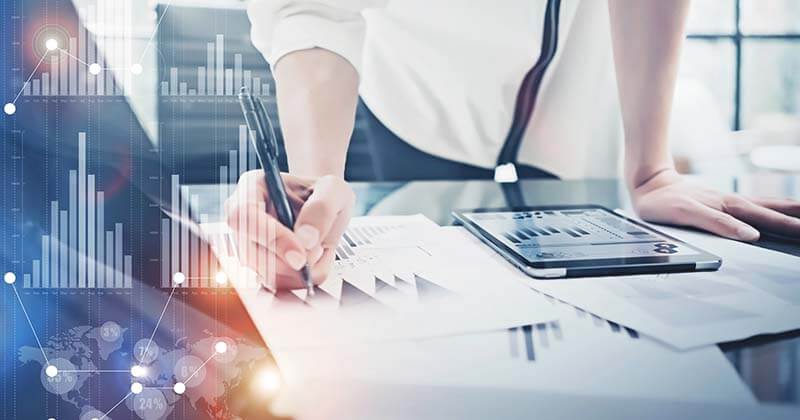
{"type": "Point", "coordinates": [529, 90]}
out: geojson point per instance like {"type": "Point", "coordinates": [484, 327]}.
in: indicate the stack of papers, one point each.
{"type": "Point", "coordinates": [756, 291]}
{"type": "Point", "coordinates": [389, 284]}
{"type": "Point", "coordinates": [578, 354]}
{"type": "Point", "coordinates": [413, 303]}
{"type": "Point", "coordinates": [365, 400]}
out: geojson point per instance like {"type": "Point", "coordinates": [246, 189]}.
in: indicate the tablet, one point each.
{"type": "Point", "coordinates": [578, 241]}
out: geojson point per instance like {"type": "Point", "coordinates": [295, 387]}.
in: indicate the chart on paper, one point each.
{"type": "Point", "coordinates": [395, 281]}
{"type": "Point", "coordinates": [380, 264]}
{"type": "Point", "coordinates": [755, 292]}
{"type": "Point", "coordinates": [536, 356]}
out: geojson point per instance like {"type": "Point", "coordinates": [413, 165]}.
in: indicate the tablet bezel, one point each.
{"type": "Point", "coordinates": [708, 260]}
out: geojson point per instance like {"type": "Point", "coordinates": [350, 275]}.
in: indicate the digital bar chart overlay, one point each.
{"type": "Point", "coordinates": [182, 250]}
{"type": "Point", "coordinates": [83, 65]}
{"type": "Point", "coordinates": [79, 252]}
{"type": "Point", "coordinates": [214, 79]}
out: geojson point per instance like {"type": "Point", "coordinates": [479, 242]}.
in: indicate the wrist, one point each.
{"type": "Point", "coordinates": [642, 170]}
{"type": "Point", "coordinates": [656, 179]}
{"type": "Point", "coordinates": [315, 167]}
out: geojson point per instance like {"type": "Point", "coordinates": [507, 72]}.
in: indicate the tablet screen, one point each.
{"type": "Point", "coordinates": [575, 234]}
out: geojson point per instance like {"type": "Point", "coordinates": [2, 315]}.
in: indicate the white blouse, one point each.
{"type": "Point", "coordinates": [444, 74]}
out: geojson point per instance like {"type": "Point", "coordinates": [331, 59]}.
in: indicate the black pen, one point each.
{"type": "Point", "coordinates": [265, 143]}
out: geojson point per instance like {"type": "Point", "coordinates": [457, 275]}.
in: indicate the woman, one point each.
{"type": "Point", "coordinates": [477, 89]}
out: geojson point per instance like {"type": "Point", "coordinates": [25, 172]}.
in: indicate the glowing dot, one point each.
{"type": "Point", "coordinates": [95, 68]}
{"type": "Point", "coordinates": [179, 388]}
{"type": "Point", "coordinates": [221, 347]}
{"type": "Point", "coordinates": [178, 278]}
{"type": "Point", "coordinates": [9, 108]}
{"type": "Point", "coordinates": [136, 68]}
{"type": "Point", "coordinates": [138, 371]}
{"type": "Point", "coordinates": [221, 278]}
{"type": "Point", "coordinates": [51, 44]}
{"type": "Point", "coordinates": [136, 388]}
{"type": "Point", "coordinates": [51, 371]}
{"type": "Point", "coordinates": [10, 277]}
{"type": "Point", "coordinates": [268, 381]}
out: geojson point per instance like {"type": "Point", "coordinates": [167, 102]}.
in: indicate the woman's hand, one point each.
{"type": "Point", "coordinates": [323, 207]}
{"type": "Point", "coordinates": [669, 198]}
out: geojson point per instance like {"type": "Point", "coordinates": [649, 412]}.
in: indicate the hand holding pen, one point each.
{"type": "Point", "coordinates": [322, 207]}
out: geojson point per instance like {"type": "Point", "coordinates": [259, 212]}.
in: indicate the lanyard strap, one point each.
{"type": "Point", "coordinates": [529, 90]}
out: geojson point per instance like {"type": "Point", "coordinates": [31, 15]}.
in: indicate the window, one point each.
{"type": "Point", "coordinates": [747, 54]}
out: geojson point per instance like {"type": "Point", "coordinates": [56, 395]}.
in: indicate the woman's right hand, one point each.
{"type": "Point", "coordinates": [323, 207]}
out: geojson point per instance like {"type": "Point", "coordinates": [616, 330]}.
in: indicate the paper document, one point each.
{"type": "Point", "coordinates": [366, 400]}
{"type": "Point", "coordinates": [391, 280]}
{"type": "Point", "coordinates": [757, 291]}
{"type": "Point", "coordinates": [577, 354]}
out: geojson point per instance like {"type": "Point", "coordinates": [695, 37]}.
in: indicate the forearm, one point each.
{"type": "Point", "coordinates": [317, 93]}
{"type": "Point", "coordinates": [647, 36]}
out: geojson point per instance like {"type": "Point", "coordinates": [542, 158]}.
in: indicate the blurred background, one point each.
{"type": "Point", "coordinates": [737, 103]}
{"type": "Point", "coordinates": [737, 107]}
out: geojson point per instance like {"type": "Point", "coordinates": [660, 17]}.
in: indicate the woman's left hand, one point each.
{"type": "Point", "coordinates": [671, 199]}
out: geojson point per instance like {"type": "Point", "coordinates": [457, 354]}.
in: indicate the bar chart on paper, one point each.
{"type": "Point", "coordinates": [79, 252]}
{"type": "Point", "coordinates": [528, 341]}
{"type": "Point", "coordinates": [356, 236]}
{"type": "Point", "coordinates": [380, 263]}
{"type": "Point", "coordinates": [362, 273]}
{"type": "Point", "coordinates": [392, 292]}
{"type": "Point", "coordinates": [521, 339]}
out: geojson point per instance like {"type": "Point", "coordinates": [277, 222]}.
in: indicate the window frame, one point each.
{"type": "Point", "coordinates": [738, 38]}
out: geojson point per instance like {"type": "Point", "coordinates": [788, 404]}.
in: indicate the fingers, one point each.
{"type": "Point", "coordinates": [275, 272]}
{"type": "Point", "coordinates": [253, 226]}
{"type": "Point", "coordinates": [315, 254]}
{"type": "Point", "coordinates": [707, 218]}
{"type": "Point", "coordinates": [763, 217]}
{"type": "Point", "coordinates": [787, 207]}
{"type": "Point", "coordinates": [331, 197]}
{"type": "Point", "coordinates": [320, 223]}
{"type": "Point", "coordinates": [338, 228]}
{"type": "Point", "coordinates": [319, 272]}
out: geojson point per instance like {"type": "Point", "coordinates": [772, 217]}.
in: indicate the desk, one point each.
{"type": "Point", "coordinates": [769, 365]}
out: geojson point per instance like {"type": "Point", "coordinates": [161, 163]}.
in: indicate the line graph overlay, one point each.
{"type": "Point", "coordinates": [10, 278]}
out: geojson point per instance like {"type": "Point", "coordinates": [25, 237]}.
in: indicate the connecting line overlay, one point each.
{"type": "Point", "coordinates": [28, 80]}
{"type": "Point", "coordinates": [33, 330]}
{"type": "Point", "coordinates": [115, 406]}
{"type": "Point", "coordinates": [202, 365]}
{"type": "Point", "coordinates": [63, 51]}
{"type": "Point", "coordinates": [160, 317]}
